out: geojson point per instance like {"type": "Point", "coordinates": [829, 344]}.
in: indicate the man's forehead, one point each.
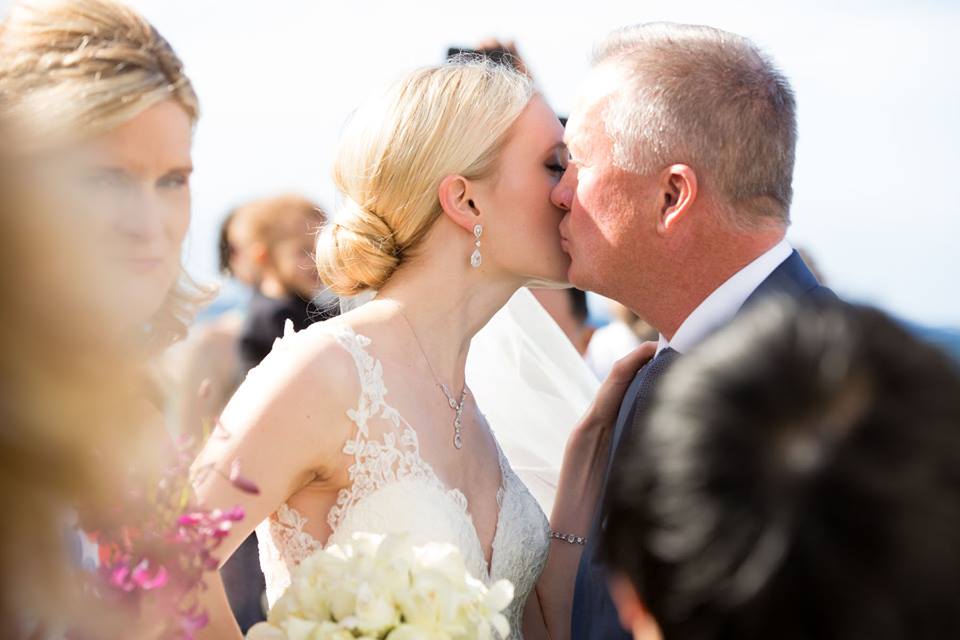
{"type": "Point", "coordinates": [600, 83]}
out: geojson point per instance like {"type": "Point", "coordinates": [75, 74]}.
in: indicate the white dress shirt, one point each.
{"type": "Point", "coordinates": [722, 305]}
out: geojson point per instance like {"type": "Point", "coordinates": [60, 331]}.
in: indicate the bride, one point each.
{"type": "Point", "coordinates": [365, 422]}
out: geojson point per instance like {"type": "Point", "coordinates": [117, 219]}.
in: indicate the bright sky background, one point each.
{"type": "Point", "coordinates": [876, 185]}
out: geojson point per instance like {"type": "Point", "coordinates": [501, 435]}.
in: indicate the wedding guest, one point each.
{"type": "Point", "coordinates": [233, 253]}
{"type": "Point", "coordinates": [64, 403]}
{"type": "Point", "coordinates": [104, 99]}
{"type": "Point", "coordinates": [798, 477]}
{"type": "Point", "coordinates": [280, 234]}
{"type": "Point", "coordinates": [101, 115]}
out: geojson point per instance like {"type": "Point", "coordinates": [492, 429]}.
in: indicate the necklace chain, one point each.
{"type": "Point", "coordinates": [456, 406]}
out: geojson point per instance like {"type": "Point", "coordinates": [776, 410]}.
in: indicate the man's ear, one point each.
{"type": "Point", "coordinates": [458, 202]}
{"type": "Point", "coordinates": [678, 192]}
{"type": "Point", "coordinates": [634, 616]}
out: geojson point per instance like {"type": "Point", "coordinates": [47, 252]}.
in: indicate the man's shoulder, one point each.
{"type": "Point", "coordinates": [791, 278]}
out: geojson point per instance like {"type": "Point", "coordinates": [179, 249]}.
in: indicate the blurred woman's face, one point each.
{"type": "Point", "coordinates": [291, 256]}
{"type": "Point", "coordinates": [133, 186]}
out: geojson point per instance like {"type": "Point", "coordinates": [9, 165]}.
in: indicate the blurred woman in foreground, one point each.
{"type": "Point", "coordinates": [98, 121]}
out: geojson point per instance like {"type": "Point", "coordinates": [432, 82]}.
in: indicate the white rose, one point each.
{"type": "Point", "coordinates": [298, 628]}
{"type": "Point", "coordinates": [444, 558]}
{"type": "Point", "coordinates": [411, 632]}
{"type": "Point", "coordinates": [375, 614]}
{"type": "Point", "coordinates": [331, 631]}
{"type": "Point", "coordinates": [265, 631]}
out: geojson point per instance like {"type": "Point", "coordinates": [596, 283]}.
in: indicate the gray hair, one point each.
{"type": "Point", "coordinates": [709, 99]}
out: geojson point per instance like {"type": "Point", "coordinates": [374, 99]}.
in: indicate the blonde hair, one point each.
{"type": "Point", "coordinates": [451, 119]}
{"type": "Point", "coordinates": [79, 68]}
{"type": "Point", "coordinates": [710, 99]}
{"type": "Point", "coordinates": [71, 70]}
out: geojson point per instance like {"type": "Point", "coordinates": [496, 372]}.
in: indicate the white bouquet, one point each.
{"type": "Point", "coordinates": [384, 588]}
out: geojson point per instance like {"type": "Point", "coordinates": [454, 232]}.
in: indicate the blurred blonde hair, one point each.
{"type": "Point", "coordinates": [71, 70]}
{"type": "Point", "coordinates": [265, 218]}
{"type": "Point", "coordinates": [451, 119]}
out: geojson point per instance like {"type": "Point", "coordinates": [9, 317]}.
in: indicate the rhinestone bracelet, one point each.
{"type": "Point", "coordinates": [568, 537]}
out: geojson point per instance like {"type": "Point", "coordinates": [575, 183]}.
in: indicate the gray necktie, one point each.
{"type": "Point", "coordinates": [644, 385]}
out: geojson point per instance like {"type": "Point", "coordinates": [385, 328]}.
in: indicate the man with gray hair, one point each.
{"type": "Point", "coordinates": [677, 198]}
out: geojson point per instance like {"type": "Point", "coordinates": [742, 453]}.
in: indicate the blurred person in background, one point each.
{"type": "Point", "coordinates": [233, 252]}
{"type": "Point", "coordinates": [624, 333]}
{"type": "Point", "coordinates": [798, 477]}
{"type": "Point", "coordinates": [269, 243]}
{"type": "Point", "coordinates": [277, 237]}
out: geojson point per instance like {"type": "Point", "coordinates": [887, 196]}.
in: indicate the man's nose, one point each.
{"type": "Point", "coordinates": [562, 194]}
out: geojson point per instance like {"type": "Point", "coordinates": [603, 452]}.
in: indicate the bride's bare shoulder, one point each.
{"type": "Point", "coordinates": [316, 362]}
{"type": "Point", "coordinates": [291, 408]}
{"type": "Point", "coordinates": [302, 389]}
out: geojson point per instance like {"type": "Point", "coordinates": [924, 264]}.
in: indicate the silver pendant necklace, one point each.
{"type": "Point", "coordinates": [456, 406]}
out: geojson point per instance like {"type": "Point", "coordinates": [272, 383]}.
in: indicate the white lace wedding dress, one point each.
{"type": "Point", "coordinates": [395, 490]}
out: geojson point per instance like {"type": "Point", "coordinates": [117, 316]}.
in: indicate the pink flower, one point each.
{"type": "Point", "coordinates": [190, 519]}
{"type": "Point", "coordinates": [118, 577]}
{"type": "Point", "coordinates": [235, 515]}
{"type": "Point", "coordinates": [143, 579]}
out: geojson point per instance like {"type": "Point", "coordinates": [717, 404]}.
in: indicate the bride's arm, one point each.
{"type": "Point", "coordinates": [578, 492]}
{"type": "Point", "coordinates": [279, 430]}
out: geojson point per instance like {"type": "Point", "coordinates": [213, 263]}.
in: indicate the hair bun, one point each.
{"type": "Point", "coordinates": [356, 251]}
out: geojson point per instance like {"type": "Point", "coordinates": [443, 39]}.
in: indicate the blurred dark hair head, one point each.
{"type": "Point", "coordinates": [798, 477]}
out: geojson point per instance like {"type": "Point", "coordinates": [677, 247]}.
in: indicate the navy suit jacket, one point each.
{"type": "Point", "coordinates": [594, 616]}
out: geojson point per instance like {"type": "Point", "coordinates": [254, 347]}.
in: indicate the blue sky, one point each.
{"type": "Point", "coordinates": [876, 184]}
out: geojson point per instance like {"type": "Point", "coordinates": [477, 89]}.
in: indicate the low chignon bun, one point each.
{"type": "Point", "coordinates": [356, 251]}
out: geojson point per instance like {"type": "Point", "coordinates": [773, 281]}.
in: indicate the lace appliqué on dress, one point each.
{"type": "Point", "coordinates": [393, 488]}
{"type": "Point", "coordinates": [375, 463]}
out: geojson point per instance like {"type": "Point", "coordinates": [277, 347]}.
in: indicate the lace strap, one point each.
{"type": "Point", "coordinates": [373, 392]}
{"type": "Point", "coordinates": [366, 470]}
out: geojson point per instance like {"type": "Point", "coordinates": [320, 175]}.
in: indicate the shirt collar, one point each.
{"type": "Point", "coordinates": [722, 305]}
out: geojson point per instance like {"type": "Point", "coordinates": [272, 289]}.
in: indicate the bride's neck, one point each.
{"type": "Point", "coordinates": [445, 310]}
